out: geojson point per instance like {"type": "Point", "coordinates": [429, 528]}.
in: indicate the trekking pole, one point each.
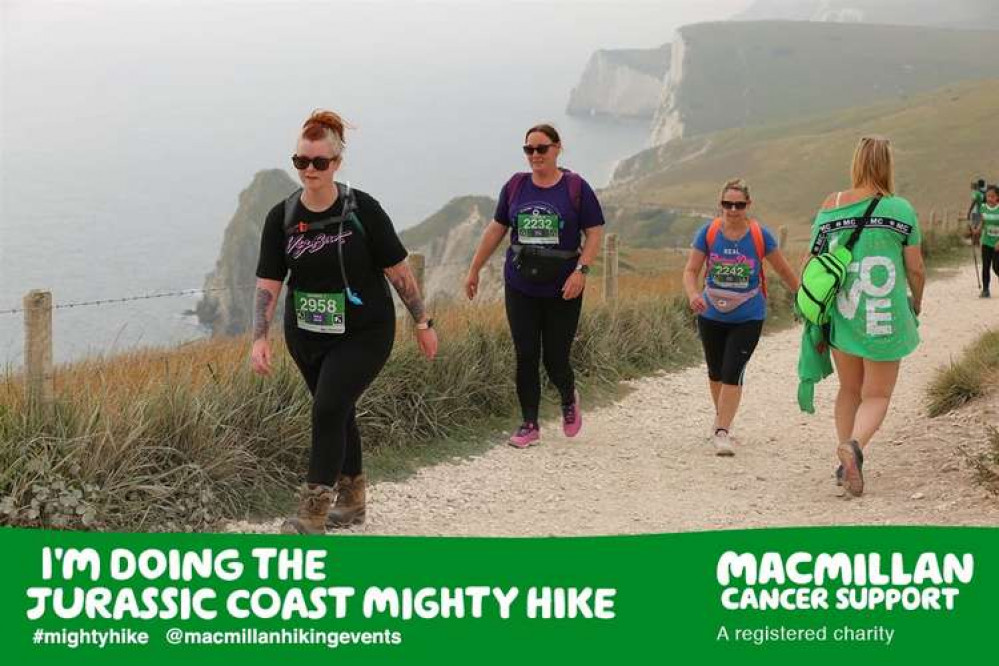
{"type": "Point", "coordinates": [974, 256]}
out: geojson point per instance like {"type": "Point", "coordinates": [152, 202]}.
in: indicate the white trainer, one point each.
{"type": "Point", "coordinates": [723, 444]}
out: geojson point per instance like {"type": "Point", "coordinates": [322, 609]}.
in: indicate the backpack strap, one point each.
{"type": "Point", "coordinates": [713, 230]}
{"type": "Point", "coordinates": [756, 231]}
{"type": "Point", "coordinates": [513, 187]}
{"type": "Point", "coordinates": [572, 180]}
{"type": "Point", "coordinates": [348, 214]}
{"type": "Point", "coordinates": [862, 223]}
{"type": "Point", "coordinates": [575, 184]}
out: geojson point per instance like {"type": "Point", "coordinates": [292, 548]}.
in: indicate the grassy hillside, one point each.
{"type": "Point", "coordinates": [955, 13]}
{"type": "Point", "coordinates": [942, 140]}
{"type": "Point", "coordinates": [740, 74]}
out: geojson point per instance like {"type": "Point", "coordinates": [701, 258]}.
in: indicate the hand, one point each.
{"type": "Point", "coordinates": [573, 286]}
{"type": "Point", "coordinates": [472, 284]}
{"type": "Point", "coordinates": [697, 303]}
{"type": "Point", "coordinates": [426, 338]}
{"type": "Point", "coordinates": [916, 307]}
{"type": "Point", "coordinates": [260, 357]}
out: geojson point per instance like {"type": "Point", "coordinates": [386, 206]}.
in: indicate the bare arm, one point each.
{"type": "Point", "coordinates": [692, 272]}
{"type": "Point", "coordinates": [264, 304]}
{"type": "Point", "coordinates": [491, 238]}
{"type": "Point", "coordinates": [915, 273]}
{"type": "Point", "coordinates": [783, 268]}
{"type": "Point", "coordinates": [402, 279]}
{"type": "Point", "coordinates": [591, 246]}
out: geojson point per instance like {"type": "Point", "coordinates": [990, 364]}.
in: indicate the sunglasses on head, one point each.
{"type": "Point", "coordinates": [738, 205]}
{"type": "Point", "coordinates": [320, 163]}
{"type": "Point", "coordinates": [540, 150]}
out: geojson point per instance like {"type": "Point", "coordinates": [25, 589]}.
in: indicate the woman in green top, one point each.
{"type": "Point", "coordinates": [989, 231]}
{"type": "Point", "coordinates": [873, 325]}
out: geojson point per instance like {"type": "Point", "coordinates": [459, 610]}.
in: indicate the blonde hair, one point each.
{"type": "Point", "coordinates": [873, 165]}
{"type": "Point", "coordinates": [737, 184]}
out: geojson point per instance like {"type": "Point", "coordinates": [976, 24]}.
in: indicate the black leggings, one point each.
{"type": "Point", "coordinates": [542, 328]}
{"type": "Point", "coordinates": [728, 348]}
{"type": "Point", "coordinates": [990, 259]}
{"type": "Point", "coordinates": [337, 373]}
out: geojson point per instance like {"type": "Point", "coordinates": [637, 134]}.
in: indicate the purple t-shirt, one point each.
{"type": "Point", "coordinates": [543, 209]}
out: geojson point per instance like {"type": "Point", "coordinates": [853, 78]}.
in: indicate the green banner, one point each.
{"type": "Point", "coordinates": [765, 596]}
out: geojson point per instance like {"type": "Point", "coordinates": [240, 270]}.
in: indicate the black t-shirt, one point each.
{"type": "Point", "coordinates": [311, 261]}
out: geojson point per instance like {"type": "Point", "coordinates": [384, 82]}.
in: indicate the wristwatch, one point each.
{"type": "Point", "coordinates": [582, 268]}
{"type": "Point", "coordinates": [425, 325]}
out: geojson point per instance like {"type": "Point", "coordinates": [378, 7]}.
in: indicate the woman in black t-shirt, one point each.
{"type": "Point", "coordinates": [336, 246]}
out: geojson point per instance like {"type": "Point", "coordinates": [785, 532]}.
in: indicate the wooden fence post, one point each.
{"type": "Point", "coordinates": [610, 268]}
{"type": "Point", "coordinates": [418, 264]}
{"type": "Point", "coordinates": [39, 380]}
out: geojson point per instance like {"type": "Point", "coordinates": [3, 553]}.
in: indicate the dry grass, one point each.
{"type": "Point", "coordinates": [182, 438]}
{"type": "Point", "coordinates": [965, 379]}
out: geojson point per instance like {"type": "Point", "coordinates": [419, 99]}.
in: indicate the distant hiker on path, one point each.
{"type": "Point", "coordinates": [545, 210]}
{"type": "Point", "coordinates": [732, 306]}
{"type": "Point", "coordinates": [987, 230]}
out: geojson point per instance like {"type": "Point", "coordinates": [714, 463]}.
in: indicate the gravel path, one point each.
{"type": "Point", "coordinates": [644, 464]}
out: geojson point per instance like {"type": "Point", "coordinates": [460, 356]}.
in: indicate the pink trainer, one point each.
{"type": "Point", "coordinates": [572, 417]}
{"type": "Point", "coordinates": [528, 433]}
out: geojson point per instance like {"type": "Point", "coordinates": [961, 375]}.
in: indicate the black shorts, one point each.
{"type": "Point", "coordinates": [728, 348]}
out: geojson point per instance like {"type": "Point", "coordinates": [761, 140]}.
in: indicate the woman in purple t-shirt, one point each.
{"type": "Point", "coordinates": [545, 210]}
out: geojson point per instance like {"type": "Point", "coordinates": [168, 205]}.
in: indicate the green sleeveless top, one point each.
{"type": "Point", "coordinates": [872, 318]}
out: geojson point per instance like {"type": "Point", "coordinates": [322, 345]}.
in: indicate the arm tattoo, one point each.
{"type": "Point", "coordinates": [261, 324]}
{"type": "Point", "coordinates": [405, 285]}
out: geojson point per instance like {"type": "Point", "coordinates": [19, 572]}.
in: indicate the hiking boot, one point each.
{"type": "Point", "coordinates": [349, 508]}
{"type": "Point", "coordinates": [723, 443]}
{"type": "Point", "coordinates": [572, 417]}
{"type": "Point", "coordinates": [852, 458]}
{"type": "Point", "coordinates": [314, 504]}
{"type": "Point", "coordinates": [528, 433]}
{"type": "Point", "coordinates": [985, 294]}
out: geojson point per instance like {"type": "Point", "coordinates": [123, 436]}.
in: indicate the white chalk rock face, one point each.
{"type": "Point", "coordinates": [621, 84]}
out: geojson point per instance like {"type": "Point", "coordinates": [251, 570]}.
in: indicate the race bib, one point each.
{"type": "Point", "coordinates": [731, 274]}
{"type": "Point", "coordinates": [536, 228]}
{"type": "Point", "coordinates": [320, 313]}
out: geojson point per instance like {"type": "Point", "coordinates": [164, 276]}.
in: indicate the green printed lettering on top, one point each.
{"type": "Point", "coordinates": [871, 316]}
{"type": "Point", "coordinates": [537, 228]}
{"type": "Point", "coordinates": [321, 313]}
{"type": "Point", "coordinates": [990, 225]}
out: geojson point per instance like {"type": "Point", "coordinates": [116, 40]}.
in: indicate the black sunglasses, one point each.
{"type": "Point", "coordinates": [540, 150]}
{"type": "Point", "coordinates": [738, 205]}
{"type": "Point", "coordinates": [321, 163]}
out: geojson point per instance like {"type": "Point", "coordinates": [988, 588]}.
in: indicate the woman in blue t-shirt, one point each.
{"type": "Point", "coordinates": [732, 306]}
{"type": "Point", "coordinates": [545, 210]}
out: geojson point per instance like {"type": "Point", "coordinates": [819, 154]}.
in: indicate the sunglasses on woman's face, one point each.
{"type": "Point", "coordinates": [540, 150]}
{"type": "Point", "coordinates": [738, 205]}
{"type": "Point", "coordinates": [320, 163]}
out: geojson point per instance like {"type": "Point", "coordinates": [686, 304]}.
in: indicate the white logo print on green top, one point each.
{"type": "Point", "coordinates": [538, 228]}
{"type": "Point", "coordinates": [875, 280]}
{"type": "Point", "coordinates": [320, 313]}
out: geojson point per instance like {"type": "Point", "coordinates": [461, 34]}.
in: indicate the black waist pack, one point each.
{"type": "Point", "coordinates": [540, 264]}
